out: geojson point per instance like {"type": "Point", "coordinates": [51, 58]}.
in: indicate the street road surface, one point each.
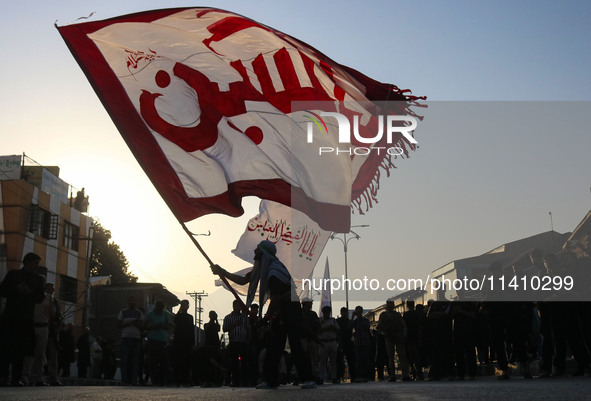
{"type": "Point", "coordinates": [482, 389]}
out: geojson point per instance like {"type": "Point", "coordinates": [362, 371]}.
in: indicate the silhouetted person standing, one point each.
{"type": "Point", "coordinates": [327, 334]}
{"type": "Point", "coordinates": [212, 368]}
{"type": "Point", "coordinates": [440, 324]}
{"type": "Point", "coordinates": [67, 348]}
{"type": "Point", "coordinates": [346, 349]}
{"type": "Point", "coordinates": [392, 325]}
{"type": "Point", "coordinates": [83, 345]}
{"type": "Point", "coordinates": [414, 325]}
{"type": "Point", "coordinates": [184, 340]}
{"type": "Point", "coordinates": [309, 335]}
{"type": "Point", "coordinates": [47, 318]}
{"type": "Point", "coordinates": [362, 343]}
{"type": "Point", "coordinates": [464, 337]}
{"type": "Point", "coordinates": [130, 321]}
{"type": "Point", "coordinates": [157, 323]}
{"type": "Point", "coordinates": [237, 325]}
{"type": "Point", "coordinates": [22, 289]}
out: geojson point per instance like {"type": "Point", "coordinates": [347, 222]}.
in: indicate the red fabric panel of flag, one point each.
{"type": "Point", "coordinates": [204, 100]}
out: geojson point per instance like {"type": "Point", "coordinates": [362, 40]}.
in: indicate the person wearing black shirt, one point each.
{"type": "Point", "coordinates": [346, 349]}
{"type": "Point", "coordinates": [22, 289]}
{"type": "Point", "coordinates": [184, 340]}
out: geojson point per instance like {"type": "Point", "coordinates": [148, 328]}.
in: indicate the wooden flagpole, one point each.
{"type": "Point", "coordinates": [224, 280]}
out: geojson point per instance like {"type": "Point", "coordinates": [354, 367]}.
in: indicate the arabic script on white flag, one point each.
{"type": "Point", "coordinates": [298, 239]}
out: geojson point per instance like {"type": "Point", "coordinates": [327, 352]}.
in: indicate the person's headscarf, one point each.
{"type": "Point", "coordinates": [269, 266]}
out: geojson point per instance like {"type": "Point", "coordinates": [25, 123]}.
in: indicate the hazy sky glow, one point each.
{"type": "Point", "coordinates": [486, 172]}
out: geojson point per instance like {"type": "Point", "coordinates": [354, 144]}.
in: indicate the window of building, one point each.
{"type": "Point", "coordinates": [43, 223]}
{"type": "Point", "coordinates": [68, 289]}
{"type": "Point", "coordinates": [71, 235]}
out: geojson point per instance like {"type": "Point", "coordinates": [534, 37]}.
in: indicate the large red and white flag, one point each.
{"type": "Point", "coordinates": [205, 100]}
{"type": "Point", "coordinates": [298, 239]}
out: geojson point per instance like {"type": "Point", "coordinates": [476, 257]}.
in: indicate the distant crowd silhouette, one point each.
{"type": "Point", "coordinates": [455, 339]}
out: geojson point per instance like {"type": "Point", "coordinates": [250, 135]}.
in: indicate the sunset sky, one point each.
{"type": "Point", "coordinates": [505, 140]}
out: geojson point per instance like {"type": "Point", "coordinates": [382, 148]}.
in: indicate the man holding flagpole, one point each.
{"type": "Point", "coordinates": [274, 283]}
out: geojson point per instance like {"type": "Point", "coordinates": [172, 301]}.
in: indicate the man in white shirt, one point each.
{"type": "Point", "coordinates": [47, 317]}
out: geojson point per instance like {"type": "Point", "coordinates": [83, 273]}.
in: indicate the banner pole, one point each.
{"type": "Point", "coordinates": [224, 280]}
{"type": "Point", "coordinates": [196, 243]}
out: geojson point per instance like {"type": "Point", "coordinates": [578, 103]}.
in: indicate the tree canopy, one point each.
{"type": "Point", "coordinates": [107, 259]}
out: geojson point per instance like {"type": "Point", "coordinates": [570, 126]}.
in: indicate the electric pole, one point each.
{"type": "Point", "coordinates": [197, 296]}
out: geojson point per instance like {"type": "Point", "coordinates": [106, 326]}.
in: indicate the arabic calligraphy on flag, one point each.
{"type": "Point", "coordinates": [298, 239]}
{"type": "Point", "coordinates": [204, 98]}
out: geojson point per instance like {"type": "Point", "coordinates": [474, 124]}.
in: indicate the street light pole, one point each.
{"type": "Point", "coordinates": [345, 241]}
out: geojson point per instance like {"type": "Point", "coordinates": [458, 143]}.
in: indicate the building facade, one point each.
{"type": "Point", "coordinates": [515, 253]}
{"type": "Point", "coordinates": [37, 215]}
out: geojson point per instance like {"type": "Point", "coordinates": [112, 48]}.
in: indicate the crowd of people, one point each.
{"type": "Point", "coordinates": [441, 340]}
{"type": "Point", "coordinates": [37, 347]}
